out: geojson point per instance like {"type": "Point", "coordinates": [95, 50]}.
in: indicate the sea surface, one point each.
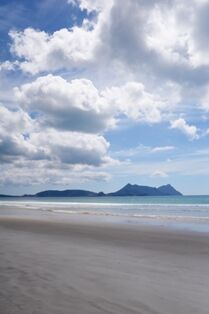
{"type": "Point", "coordinates": [180, 211]}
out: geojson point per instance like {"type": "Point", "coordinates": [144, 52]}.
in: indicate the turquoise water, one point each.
{"type": "Point", "coordinates": [191, 199]}
{"type": "Point", "coordinates": [184, 211]}
{"type": "Point", "coordinates": [175, 206]}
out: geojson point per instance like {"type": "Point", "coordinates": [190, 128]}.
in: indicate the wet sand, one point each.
{"type": "Point", "coordinates": [86, 266]}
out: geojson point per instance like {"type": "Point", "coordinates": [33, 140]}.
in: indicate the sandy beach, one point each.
{"type": "Point", "coordinates": [75, 265]}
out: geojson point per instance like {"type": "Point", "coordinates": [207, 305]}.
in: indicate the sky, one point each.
{"type": "Point", "coordinates": [95, 94]}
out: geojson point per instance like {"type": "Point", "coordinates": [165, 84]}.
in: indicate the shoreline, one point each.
{"type": "Point", "coordinates": [61, 212]}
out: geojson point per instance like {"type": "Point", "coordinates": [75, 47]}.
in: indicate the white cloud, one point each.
{"type": "Point", "coordinates": [66, 48]}
{"type": "Point", "coordinates": [159, 173]}
{"type": "Point", "coordinates": [79, 106]}
{"type": "Point", "coordinates": [71, 147]}
{"type": "Point", "coordinates": [162, 149]}
{"type": "Point", "coordinates": [141, 151]}
{"type": "Point", "coordinates": [173, 30]}
{"type": "Point", "coordinates": [68, 118]}
{"type": "Point", "coordinates": [91, 5]}
{"type": "Point", "coordinates": [135, 102]}
{"type": "Point", "coordinates": [190, 130]}
{"type": "Point", "coordinates": [22, 138]}
{"type": "Point", "coordinates": [65, 131]}
{"type": "Point", "coordinates": [160, 34]}
{"type": "Point", "coordinates": [166, 34]}
{"type": "Point", "coordinates": [14, 121]}
{"type": "Point", "coordinates": [75, 105]}
{"type": "Point", "coordinates": [8, 65]}
{"type": "Point", "coordinates": [15, 127]}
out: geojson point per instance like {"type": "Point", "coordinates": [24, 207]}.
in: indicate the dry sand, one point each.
{"type": "Point", "coordinates": [77, 267]}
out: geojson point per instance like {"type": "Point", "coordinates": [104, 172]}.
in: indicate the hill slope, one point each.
{"type": "Point", "coordinates": [66, 193]}
{"type": "Point", "coordinates": [141, 190]}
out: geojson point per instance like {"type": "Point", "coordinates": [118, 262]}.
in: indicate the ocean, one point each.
{"type": "Point", "coordinates": [179, 211]}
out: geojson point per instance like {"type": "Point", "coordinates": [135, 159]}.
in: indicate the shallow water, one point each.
{"type": "Point", "coordinates": [176, 211]}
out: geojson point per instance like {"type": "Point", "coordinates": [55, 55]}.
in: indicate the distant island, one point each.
{"type": "Point", "coordinates": [127, 190]}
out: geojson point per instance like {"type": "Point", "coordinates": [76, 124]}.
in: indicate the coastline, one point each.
{"type": "Point", "coordinates": [189, 217]}
{"type": "Point", "coordinates": [82, 264]}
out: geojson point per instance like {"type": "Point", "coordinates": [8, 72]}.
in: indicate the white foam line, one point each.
{"type": "Point", "coordinates": [158, 217]}
{"type": "Point", "coordinates": [69, 204]}
{"type": "Point", "coordinates": [167, 217]}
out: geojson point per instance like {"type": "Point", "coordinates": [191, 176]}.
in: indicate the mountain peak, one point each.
{"type": "Point", "coordinates": [141, 190]}
{"type": "Point", "coordinates": [168, 189]}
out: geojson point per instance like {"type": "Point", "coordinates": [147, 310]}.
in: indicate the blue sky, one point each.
{"type": "Point", "coordinates": [95, 94]}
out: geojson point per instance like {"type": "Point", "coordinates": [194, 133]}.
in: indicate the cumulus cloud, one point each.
{"type": "Point", "coordinates": [135, 102]}
{"type": "Point", "coordinates": [61, 121]}
{"type": "Point", "coordinates": [14, 128]}
{"type": "Point", "coordinates": [75, 105]}
{"type": "Point", "coordinates": [79, 106]}
{"type": "Point", "coordinates": [65, 48]}
{"type": "Point", "coordinates": [160, 33]}
{"type": "Point", "coordinates": [23, 140]}
{"type": "Point", "coordinates": [14, 121]}
{"type": "Point", "coordinates": [190, 130]}
{"type": "Point", "coordinates": [72, 148]}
